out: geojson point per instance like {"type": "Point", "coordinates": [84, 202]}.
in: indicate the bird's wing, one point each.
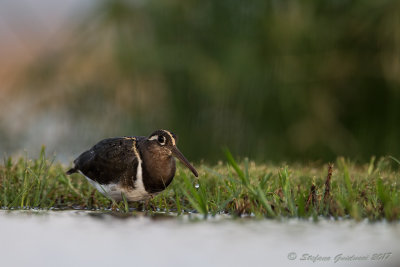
{"type": "Point", "coordinates": [110, 160]}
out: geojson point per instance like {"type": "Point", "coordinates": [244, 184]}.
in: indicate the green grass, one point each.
{"type": "Point", "coordinates": [261, 190]}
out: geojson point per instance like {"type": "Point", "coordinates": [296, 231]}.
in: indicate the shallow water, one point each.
{"type": "Point", "coordinates": [79, 238]}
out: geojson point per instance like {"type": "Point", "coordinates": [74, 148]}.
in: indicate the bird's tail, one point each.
{"type": "Point", "coordinates": [71, 171]}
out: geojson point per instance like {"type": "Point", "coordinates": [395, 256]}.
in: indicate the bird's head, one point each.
{"type": "Point", "coordinates": [164, 143]}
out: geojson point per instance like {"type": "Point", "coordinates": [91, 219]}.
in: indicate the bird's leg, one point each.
{"type": "Point", "coordinates": [148, 205]}
{"type": "Point", "coordinates": [92, 200]}
{"type": "Point", "coordinates": [114, 206]}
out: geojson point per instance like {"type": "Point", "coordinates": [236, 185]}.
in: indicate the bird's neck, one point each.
{"type": "Point", "coordinates": [158, 169]}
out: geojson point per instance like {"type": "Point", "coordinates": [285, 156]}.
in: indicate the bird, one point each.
{"type": "Point", "coordinates": [134, 167]}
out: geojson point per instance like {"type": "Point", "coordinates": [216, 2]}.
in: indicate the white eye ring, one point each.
{"type": "Point", "coordinates": [154, 137]}
{"type": "Point", "coordinates": [161, 139]}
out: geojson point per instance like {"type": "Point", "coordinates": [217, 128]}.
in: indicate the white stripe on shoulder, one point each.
{"type": "Point", "coordinates": [139, 192]}
{"type": "Point", "coordinates": [115, 191]}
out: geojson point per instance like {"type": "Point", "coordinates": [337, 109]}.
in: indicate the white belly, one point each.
{"type": "Point", "coordinates": [115, 191]}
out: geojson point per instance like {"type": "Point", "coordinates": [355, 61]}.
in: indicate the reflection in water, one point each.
{"type": "Point", "coordinates": [71, 238]}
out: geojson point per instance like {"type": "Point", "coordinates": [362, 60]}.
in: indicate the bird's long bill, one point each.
{"type": "Point", "coordinates": [181, 157]}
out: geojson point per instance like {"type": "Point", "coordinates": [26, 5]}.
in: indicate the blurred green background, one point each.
{"type": "Point", "coordinates": [271, 80]}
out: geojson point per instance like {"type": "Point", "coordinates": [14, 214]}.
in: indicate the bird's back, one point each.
{"type": "Point", "coordinates": [111, 159]}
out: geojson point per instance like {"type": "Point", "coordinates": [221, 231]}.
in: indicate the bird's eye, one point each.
{"type": "Point", "coordinates": [161, 139]}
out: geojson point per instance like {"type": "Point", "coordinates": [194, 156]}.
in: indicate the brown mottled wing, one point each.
{"type": "Point", "coordinates": [110, 161]}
